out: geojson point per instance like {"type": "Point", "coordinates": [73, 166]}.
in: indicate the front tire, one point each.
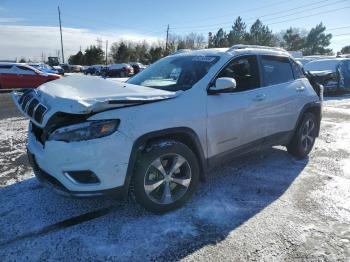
{"type": "Point", "coordinates": [304, 138]}
{"type": "Point", "coordinates": [166, 176]}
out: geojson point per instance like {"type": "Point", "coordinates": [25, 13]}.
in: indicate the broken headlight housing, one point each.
{"type": "Point", "coordinates": [85, 131]}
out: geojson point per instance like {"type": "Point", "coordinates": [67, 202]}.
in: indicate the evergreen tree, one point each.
{"type": "Point", "coordinates": [94, 55]}
{"type": "Point", "coordinates": [345, 50]}
{"type": "Point", "coordinates": [317, 41]}
{"type": "Point", "coordinates": [142, 54]}
{"type": "Point", "coordinates": [260, 34]}
{"type": "Point", "coordinates": [123, 54]}
{"type": "Point", "coordinates": [238, 33]}
{"type": "Point", "coordinates": [77, 59]}
{"type": "Point", "coordinates": [210, 40]}
{"type": "Point", "coordinates": [181, 45]}
{"type": "Point", "coordinates": [292, 40]}
{"type": "Point", "coordinates": [220, 39]}
{"type": "Point", "coordinates": [156, 53]}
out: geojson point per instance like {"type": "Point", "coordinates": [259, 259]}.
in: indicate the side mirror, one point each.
{"type": "Point", "coordinates": [223, 85]}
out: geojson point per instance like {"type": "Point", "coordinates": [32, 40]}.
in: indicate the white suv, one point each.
{"type": "Point", "coordinates": [157, 135]}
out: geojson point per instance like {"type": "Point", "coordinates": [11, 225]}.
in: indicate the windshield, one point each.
{"type": "Point", "coordinates": [175, 73]}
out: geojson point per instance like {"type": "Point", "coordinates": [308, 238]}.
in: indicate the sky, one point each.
{"type": "Point", "coordinates": [29, 28]}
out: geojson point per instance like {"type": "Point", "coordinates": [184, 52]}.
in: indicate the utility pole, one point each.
{"type": "Point", "coordinates": [59, 18]}
{"type": "Point", "coordinates": [106, 50]}
{"type": "Point", "coordinates": [167, 38]}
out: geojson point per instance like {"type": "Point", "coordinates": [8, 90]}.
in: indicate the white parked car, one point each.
{"type": "Point", "coordinates": [156, 136]}
{"type": "Point", "coordinates": [333, 74]}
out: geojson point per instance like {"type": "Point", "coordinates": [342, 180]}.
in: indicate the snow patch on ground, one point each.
{"type": "Point", "coordinates": [266, 206]}
{"type": "Point", "coordinates": [13, 158]}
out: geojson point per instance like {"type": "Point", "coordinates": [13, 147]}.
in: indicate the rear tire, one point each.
{"type": "Point", "coordinates": [304, 138]}
{"type": "Point", "coordinates": [166, 176]}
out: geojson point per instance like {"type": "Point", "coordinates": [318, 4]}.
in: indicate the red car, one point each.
{"type": "Point", "coordinates": [119, 70]}
{"type": "Point", "coordinates": [15, 75]}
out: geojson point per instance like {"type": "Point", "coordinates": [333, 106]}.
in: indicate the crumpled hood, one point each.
{"type": "Point", "coordinates": [85, 94]}
{"type": "Point", "coordinates": [321, 73]}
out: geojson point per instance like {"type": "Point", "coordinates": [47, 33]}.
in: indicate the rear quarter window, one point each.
{"type": "Point", "coordinates": [297, 70]}
{"type": "Point", "coordinates": [276, 70]}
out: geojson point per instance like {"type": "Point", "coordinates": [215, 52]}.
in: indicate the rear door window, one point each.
{"type": "Point", "coordinates": [276, 70]}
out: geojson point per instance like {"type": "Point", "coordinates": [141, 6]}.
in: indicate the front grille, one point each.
{"type": "Point", "coordinates": [39, 113]}
{"type": "Point", "coordinates": [32, 107]}
{"type": "Point", "coordinates": [26, 100]}
{"type": "Point", "coordinates": [38, 133]}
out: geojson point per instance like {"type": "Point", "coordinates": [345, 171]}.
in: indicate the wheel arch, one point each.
{"type": "Point", "coordinates": [314, 108]}
{"type": "Point", "coordinates": [184, 135]}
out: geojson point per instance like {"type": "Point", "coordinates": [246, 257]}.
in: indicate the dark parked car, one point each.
{"type": "Point", "coordinates": [138, 67]}
{"type": "Point", "coordinates": [119, 70]}
{"type": "Point", "coordinates": [93, 70]}
{"type": "Point", "coordinates": [65, 67]}
{"type": "Point", "coordinates": [333, 74]}
{"type": "Point", "coordinates": [59, 69]}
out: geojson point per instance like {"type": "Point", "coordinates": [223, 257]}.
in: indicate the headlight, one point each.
{"type": "Point", "coordinates": [85, 131]}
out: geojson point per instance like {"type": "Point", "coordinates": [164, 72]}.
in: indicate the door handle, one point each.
{"type": "Point", "coordinates": [260, 97]}
{"type": "Point", "coordinates": [300, 88]}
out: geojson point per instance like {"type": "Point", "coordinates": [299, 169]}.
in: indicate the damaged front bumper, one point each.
{"type": "Point", "coordinates": [106, 158]}
{"type": "Point", "coordinates": [54, 184]}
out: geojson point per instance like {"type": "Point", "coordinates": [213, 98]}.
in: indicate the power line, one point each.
{"type": "Point", "coordinates": [269, 14]}
{"type": "Point", "coordinates": [253, 19]}
{"type": "Point", "coordinates": [302, 17]}
{"type": "Point", "coordinates": [341, 34]}
{"type": "Point", "coordinates": [304, 11]}
{"type": "Point", "coordinates": [337, 28]}
{"type": "Point", "coordinates": [293, 19]}
{"type": "Point", "coordinates": [237, 13]}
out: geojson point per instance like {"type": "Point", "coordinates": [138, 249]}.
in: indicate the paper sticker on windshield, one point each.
{"type": "Point", "coordinates": [207, 59]}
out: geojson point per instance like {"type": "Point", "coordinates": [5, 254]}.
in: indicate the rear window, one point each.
{"type": "Point", "coordinates": [276, 70]}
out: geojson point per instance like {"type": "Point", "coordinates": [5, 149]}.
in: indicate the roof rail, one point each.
{"type": "Point", "coordinates": [240, 46]}
{"type": "Point", "coordinates": [181, 51]}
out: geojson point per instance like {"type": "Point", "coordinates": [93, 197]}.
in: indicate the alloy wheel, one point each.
{"type": "Point", "coordinates": [307, 135]}
{"type": "Point", "coordinates": [167, 178]}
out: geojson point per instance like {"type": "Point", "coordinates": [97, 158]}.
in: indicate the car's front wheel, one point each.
{"type": "Point", "coordinates": [304, 138]}
{"type": "Point", "coordinates": [166, 176]}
